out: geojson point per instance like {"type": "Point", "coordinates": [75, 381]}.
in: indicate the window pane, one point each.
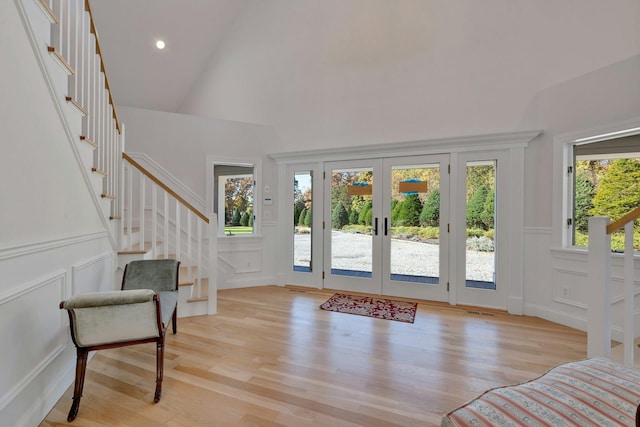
{"type": "Point", "coordinates": [415, 223]}
{"type": "Point", "coordinates": [605, 185]}
{"type": "Point", "coordinates": [480, 219]}
{"type": "Point", "coordinates": [351, 222]}
{"type": "Point", "coordinates": [302, 222]}
{"type": "Point", "coordinates": [234, 198]}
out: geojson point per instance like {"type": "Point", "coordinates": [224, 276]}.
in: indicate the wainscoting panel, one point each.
{"type": "Point", "coordinates": [32, 331]}
{"type": "Point", "coordinates": [38, 356]}
{"type": "Point", "coordinates": [93, 275]}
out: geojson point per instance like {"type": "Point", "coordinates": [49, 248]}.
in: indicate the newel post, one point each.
{"type": "Point", "coordinates": [213, 264]}
{"type": "Point", "coordinates": [599, 289]}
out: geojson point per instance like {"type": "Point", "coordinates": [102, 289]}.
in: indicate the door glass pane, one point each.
{"type": "Point", "coordinates": [480, 257]}
{"type": "Point", "coordinates": [415, 223]}
{"type": "Point", "coordinates": [351, 222]}
{"type": "Point", "coordinates": [302, 223]}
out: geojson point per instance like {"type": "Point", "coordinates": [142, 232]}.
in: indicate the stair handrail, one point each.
{"type": "Point", "coordinates": [618, 224]}
{"type": "Point", "coordinates": [165, 187]}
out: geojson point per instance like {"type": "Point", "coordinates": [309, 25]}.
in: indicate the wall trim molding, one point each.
{"type": "Point", "coordinates": [20, 386]}
{"type": "Point", "coordinates": [426, 146]}
{"type": "Point", "coordinates": [59, 276]}
{"type": "Point", "coordinates": [248, 283]}
{"type": "Point", "coordinates": [49, 244]}
{"type": "Point", "coordinates": [106, 257]}
{"type": "Point", "coordinates": [23, 289]}
{"type": "Point", "coordinates": [538, 230]}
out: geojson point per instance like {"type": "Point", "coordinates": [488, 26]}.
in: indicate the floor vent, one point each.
{"type": "Point", "coordinates": [479, 313]}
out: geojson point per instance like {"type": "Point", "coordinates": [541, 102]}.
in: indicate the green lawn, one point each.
{"type": "Point", "coordinates": [238, 230]}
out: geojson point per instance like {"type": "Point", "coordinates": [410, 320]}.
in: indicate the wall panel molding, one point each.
{"type": "Point", "coordinates": [93, 267]}
{"type": "Point", "coordinates": [57, 283]}
{"type": "Point", "coordinates": [45, 245]}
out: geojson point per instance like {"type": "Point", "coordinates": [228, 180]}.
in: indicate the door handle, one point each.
{"type": "Point", "coordinates": [386, 227]}
{"type": "Point", "coordinates": [375, 227]}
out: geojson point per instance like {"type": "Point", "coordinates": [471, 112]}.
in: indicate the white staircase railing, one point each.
{"type": "Point", "coordinates": [599, 276]}
{"type": "Point", "coordinates": [159, 222]}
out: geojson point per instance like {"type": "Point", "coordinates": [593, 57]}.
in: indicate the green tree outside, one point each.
{"type": "Point", "coordinates": [339, 216]}
{"type": "Point", "coordinates": [235, 219]}
{"type": "Point", "coordinates": [410, 210]}
{"type": "Point", "coordinates": [430, 215]}
{"type": "Point", "coordinates": [308, 218]}
{"type": "Point", "coordinates": [619, 189]}
{"type": "Point", "coordinates": [487, 215]}
{"type": "Point", "coordinates": [475, 206]}
{"type": "Point", "coordinates": [585, 191]}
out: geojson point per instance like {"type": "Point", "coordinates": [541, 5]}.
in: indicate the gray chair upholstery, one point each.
{"type": "Point", "coordinates": [137, 314]}
{"type": "Point", "coordinates": [160, 275]}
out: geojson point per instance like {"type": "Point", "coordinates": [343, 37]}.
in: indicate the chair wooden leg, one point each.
{"type": "Point", "coordinates": [159, 368]}
{"type": "Point", "coordinates": [81, 367]}
{"type": "Point", "coordinates": [174, 320]}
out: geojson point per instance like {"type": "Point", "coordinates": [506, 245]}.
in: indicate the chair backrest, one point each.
{"type": "Point", "coordinates": [156, 274]}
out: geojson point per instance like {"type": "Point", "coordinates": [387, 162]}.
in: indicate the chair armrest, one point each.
{"type": "Point", "coordinates": [99, 299]}
{"type": "Point", "coordinates": [108, 318]}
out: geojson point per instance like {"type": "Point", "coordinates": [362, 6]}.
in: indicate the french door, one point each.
{"type": "Point", "coordinates": [388, 228]}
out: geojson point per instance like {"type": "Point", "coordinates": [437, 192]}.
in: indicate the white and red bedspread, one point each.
{"type": "Point", "coordinates": [591, 392]}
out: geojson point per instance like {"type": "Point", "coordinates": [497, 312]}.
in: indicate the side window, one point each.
{"type": "Point", "coordinates": [604, 181]}
{"type": "Point", "coordinates": [302, 220]}
{"type": "Point", "coordinates": [233, 198]}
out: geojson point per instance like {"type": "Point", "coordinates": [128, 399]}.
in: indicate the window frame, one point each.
{"type": "Point", "coordinates": [564, 182]}
{"type": "Point", "coordinates": [212, 192]}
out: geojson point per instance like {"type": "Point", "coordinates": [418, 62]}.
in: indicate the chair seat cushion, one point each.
{"type": "Point", "coordinates": [168, 302]}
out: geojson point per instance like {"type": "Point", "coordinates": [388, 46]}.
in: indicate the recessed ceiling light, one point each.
{"type": "Point", "coordinates": [160, 44]}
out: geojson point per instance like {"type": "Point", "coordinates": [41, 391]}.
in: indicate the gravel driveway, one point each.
{"type": "Point", "coordinates": [352, 252]}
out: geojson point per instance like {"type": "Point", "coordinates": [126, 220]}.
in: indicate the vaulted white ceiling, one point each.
{"type": "Point", "coordinates": [143, 76]}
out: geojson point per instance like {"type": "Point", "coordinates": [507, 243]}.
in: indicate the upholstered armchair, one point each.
{"type": "Point", "coordinates": [139, 313]}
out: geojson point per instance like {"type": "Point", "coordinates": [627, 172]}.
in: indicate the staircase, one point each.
{"type": "Point", "coordinates": [143, 216]}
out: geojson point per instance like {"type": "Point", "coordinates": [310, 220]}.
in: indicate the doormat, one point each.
{"type": "Point", "coordinates": [379, 308]}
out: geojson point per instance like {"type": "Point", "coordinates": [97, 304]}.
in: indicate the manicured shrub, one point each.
{"type": "Point", "coordinates": [487, 212]}
{"type": "Point", "coordinates": [475, 206]}
{"type": "Point", "coordinates": [307, 218]}
{"type": "Point", "coordinates": [430, 214]}
{"type": "Point", "coordinates": [244, 220]}
{"type": "Point", "coordinates": [235, 219]}
{"type": "Point", "coordinates": [410, 209]}
{"type": "Point", "coordinates": [585, 191]}
{"type": "Point", "coordinates": [339, 216]}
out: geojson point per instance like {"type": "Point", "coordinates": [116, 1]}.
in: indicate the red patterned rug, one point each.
{"type": "Point", "coordinates": [379, 308]}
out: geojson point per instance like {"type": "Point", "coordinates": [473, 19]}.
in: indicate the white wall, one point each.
{"type": "Point", "coordinates": [329, 73]}
{"type": "Point", "coordinates": [52, 241]}
{"type": "Point", "coordinates": [555, 277]}
{"type": "Point", "coordinates": [181, 144]}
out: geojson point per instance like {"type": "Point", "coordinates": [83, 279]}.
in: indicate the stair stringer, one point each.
{"type": "Point", "coordinates": [37, 27]}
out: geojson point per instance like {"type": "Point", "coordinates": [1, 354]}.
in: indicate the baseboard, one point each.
{"type": "Point", "coordinates": [49, 397]}
{"type": "Point", "coordinates": [572, 321]}
{"type": "Point", "coordinates": [247, 283]}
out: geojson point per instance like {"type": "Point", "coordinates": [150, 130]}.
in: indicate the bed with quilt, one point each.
{"type": "Point", "coordinates": [591, 392]}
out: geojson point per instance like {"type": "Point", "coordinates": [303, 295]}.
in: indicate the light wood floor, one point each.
{"type": "Point", "coordinates": [272, 358]}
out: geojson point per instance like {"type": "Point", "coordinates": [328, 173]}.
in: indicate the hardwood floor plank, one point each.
{"type": "Point", "coordinates": [272, 358]}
